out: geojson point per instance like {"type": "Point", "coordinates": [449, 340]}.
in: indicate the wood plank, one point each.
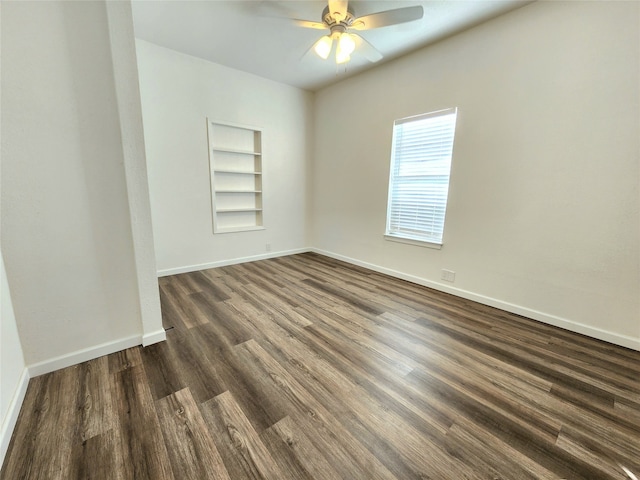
{"type": "Point", "coordinates": [191, 449]}
{"type": "Point", "coordinates": [244, 454]}
{"type": "Point", "coordinates": [526, 438]}
{"type": "Point", "coordinates": [162, 371]}
{"type": "Point", "coordinates": [601, 464]}
{"type": "Point", "coordinates": [323, 373]}
{"type": "Point", "coordinates": [180, 310]}
{"type": "Point", "coordinates": [262, 411]}
{"type": "Point", "coordinates": [207, 285]}
{"type": "Point", "coordinates": [194, 367]}
{"type": "Point", "coordinates": [220, 317]}
{"type": "Point", "coordinates": [491, 457]}
{"type": "Point", "coordinates": [95, 411]}
{"type": "Point", "coordinates": [140, 450]}
{"type": "Point", "coordinates": [171, 317]}
{"type": "Point", "coordinates": [124, 359]}
{"type": "Point", "coordinates": [47, 435]}
{"type": "Point", "coordinates": [292, 449]}
{"type": "Point", "coordinates": [182, 284]}
{"type": "Point", "coordinates": [315, 416]}
{"type": "Point", "coordinates": [96, 458]}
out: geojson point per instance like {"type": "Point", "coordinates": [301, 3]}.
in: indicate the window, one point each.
{"type": "Point", "coordinates": [419, 177]}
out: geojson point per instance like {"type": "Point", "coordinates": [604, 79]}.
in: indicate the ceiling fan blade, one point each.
{"type": "Point", "coordinates": [269, 8]}
{"type": "Point", "coordinates": [367, 50]}
{"type": "Point", "coordinates": [309, 24]}
{"type": "Point", "coordinates": [307, 52]}
{"type": "Point", "coordinates": [338, 9]}
{"type": "Point", "coordinates": [390, 17]}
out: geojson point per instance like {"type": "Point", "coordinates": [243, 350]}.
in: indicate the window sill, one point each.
{"type": "Point", "coordinates": [411, 241]}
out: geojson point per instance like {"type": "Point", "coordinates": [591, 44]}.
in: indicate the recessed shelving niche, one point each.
{"type": "Point", "coordinates": [235, 165]}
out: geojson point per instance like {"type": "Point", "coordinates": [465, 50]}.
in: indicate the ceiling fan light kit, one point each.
{"type": "Point", "coordinates": [346, 46]}
{"type": "Point", "coordinates": [338, 17]}
{"type": "Point", "coordinates": [323, 47]}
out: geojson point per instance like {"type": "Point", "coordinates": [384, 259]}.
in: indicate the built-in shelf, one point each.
{"type": "Point", "coordinates": [235, 163]}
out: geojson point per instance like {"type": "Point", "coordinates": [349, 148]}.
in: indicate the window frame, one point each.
{"type": "Point", "coordinates": [404, 237]}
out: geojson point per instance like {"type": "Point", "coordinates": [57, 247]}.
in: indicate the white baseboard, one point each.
{"type": "Point", "coordinates": [154, 337]}
{"type": "Point", "coordinates": [84, 355]}
{"type": "Point", "coordinates": [600, 334]}
{"type": "Point", "coordinates": [233, 261]}
{"type": "Point", "coordinates": [9, 421]}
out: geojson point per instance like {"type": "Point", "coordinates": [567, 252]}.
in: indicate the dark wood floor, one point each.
{"type": "Point", "coordinates": [305, 367]}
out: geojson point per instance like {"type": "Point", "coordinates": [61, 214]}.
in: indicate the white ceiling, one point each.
{"type": "Point", "coordinates": [256, 36]}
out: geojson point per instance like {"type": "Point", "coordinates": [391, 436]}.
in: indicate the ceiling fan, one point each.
{"type": "Point", "coordinates": [339, 18]}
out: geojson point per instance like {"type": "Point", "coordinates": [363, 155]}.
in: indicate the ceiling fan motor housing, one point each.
{"type": "Point", "coordinates": [329, 21]}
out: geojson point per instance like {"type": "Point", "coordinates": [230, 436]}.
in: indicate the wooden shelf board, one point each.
{"type": "Point", "coordinates": [238, 210]}
{"type": "Point", "coordinates": [238, 191]}
{"type": "Point", "coordinates": [247, 228]}
{"type": "Point", "coordinates": [236, 172]}
{"type": "Point", "coordinates": [233, 150]}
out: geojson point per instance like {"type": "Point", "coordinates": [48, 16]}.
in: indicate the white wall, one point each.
{"type": "Point", "coordinates": [125, 71]}
{"type": "Point", "coordinates": [178, 93]}
{"type": "Point", "coordinates": [14, 375]}
{"type": "Point", "coordinates": [13, 372]}
{"type": "Point", "coordinates": [543, 214]}
{"type": "Point", "coordinates": [66, 226]}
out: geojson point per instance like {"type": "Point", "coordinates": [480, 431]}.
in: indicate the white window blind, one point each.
{"type": "Point", "coordinates": [419, 178]}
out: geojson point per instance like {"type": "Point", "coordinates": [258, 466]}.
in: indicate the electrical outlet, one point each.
{"type": "Point", "coordinates": [268, 247]}
{"type": "Point", "coordinates": [448, 275]}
